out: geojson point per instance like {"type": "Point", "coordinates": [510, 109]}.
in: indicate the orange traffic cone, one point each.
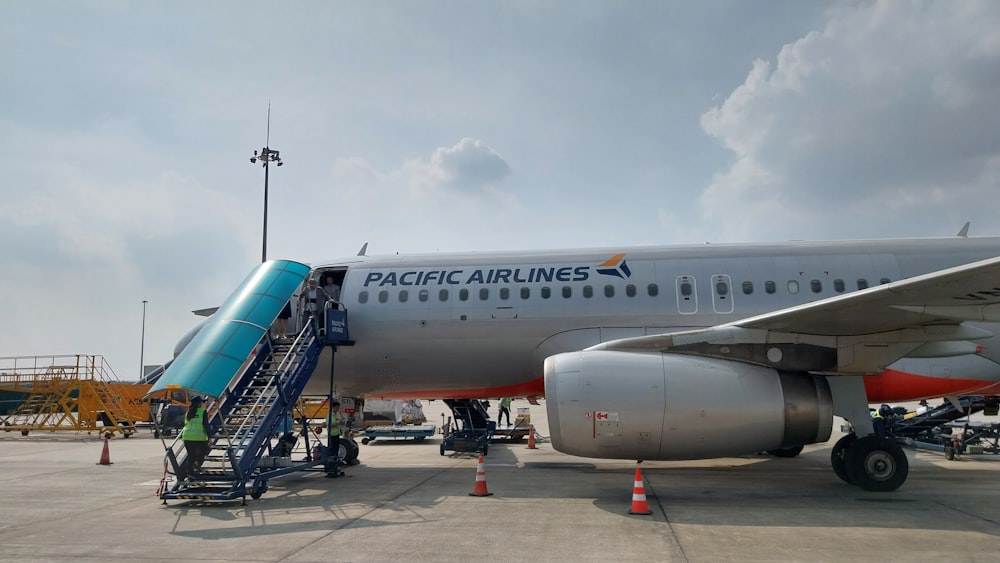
{"type": "Point", "coordinates": [105, 455]}
{"type": "Point", "coordinates": [531, 437]}
{"type": "Point", "coordinates": [639, 504]}
{"type": "Point", "coordinates": [480, 490]}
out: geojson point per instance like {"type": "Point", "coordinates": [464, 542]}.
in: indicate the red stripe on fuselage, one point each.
{"type": "Point", "coordinates": [891, 386]}
{"type": "Point", "coordinates": [888, 386]}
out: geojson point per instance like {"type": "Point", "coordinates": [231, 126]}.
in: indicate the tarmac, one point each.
{"type": "Point", "coordinates": [406, 502]}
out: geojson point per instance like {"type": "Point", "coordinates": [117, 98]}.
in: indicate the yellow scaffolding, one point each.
{"type": "Point", "coordinates": [64, 393]}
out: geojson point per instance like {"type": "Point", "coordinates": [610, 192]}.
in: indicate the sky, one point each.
{"type": "Point", "coordinates": [126, 130]}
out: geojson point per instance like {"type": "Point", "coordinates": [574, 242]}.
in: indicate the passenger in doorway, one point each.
{"type": "Point", "coordinates": [195, 436]}
{"type": "Point", "coordinates": [281, 325]}
{"type": "Point", "coordinates": [312, 301]}
{"type": "Point", "coordinates": [332, 289]}
{"type": "Point", "coordinates": [504, 409]}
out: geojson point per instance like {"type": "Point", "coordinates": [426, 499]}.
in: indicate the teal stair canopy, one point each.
{"type": "Point", "coordinates": [214, 356]}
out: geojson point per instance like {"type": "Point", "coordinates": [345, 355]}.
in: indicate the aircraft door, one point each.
{"type": "Point", "coordinates": [687, 295]}
{"type": "Point", "coordinates": [722, 293]}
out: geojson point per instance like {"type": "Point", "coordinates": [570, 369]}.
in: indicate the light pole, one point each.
{"type": "Point", "coordinates": [266, 156]}
{"type": "Point", "coordinates": [142, 343]}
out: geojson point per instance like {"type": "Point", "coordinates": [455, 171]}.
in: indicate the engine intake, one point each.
{"type": "Point", "coordinates": [629, 405]}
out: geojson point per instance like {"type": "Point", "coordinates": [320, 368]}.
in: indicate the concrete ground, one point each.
{"type": "Point", "coordinates": [406, 502]}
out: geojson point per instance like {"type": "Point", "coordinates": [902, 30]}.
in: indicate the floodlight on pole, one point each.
{"type": "Point", "coordinates": [142, 343]}
{"type": "Point", "coordinates": [266, 155]}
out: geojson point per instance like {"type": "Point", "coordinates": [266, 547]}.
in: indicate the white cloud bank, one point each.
{"type": "Point", "coordinates": [883, 116]}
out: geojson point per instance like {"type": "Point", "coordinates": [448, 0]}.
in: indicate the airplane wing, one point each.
{"type": "Point", "coordinates": [859, 332]}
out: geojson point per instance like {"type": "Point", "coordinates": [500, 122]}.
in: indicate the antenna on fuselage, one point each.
{"type": "Point", "coordinates": [364, 249]}
{"type": "Point", "coordinates": [964, 233]}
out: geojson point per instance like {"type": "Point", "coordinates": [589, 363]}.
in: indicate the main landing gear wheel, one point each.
{"type": "Point", "coordinates": [838, 457]}
{"type": "Point", "coordinates": [877, 464]}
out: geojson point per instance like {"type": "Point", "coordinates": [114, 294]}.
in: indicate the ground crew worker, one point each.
{"type": "Point", "coordinates": [333, 422]}
{"type": "Point", "coordinates": [195, 436]}
{"type": "Point", "coordinates": [504, 409]}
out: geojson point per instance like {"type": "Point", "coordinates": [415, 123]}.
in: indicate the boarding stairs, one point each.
{"type": "Point", "coordinates": [243, 422]}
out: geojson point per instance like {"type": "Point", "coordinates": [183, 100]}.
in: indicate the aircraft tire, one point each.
{"type": "Point", "coordinates": [838, 457]}
{"type": "Point", "coordinates": [877, 464]}
{"type": "Point", "coordinates": [348, 450]}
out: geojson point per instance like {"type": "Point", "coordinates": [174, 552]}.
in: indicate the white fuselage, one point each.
{"type": "Point", "coordinates": [482, 324]}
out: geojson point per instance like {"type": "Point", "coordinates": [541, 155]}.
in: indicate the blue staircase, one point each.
{"type": "Point", "coordinates": [255, 381]}
{"type": "Point", "coordinates": [243, 421]}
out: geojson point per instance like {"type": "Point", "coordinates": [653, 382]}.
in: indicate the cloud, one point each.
{"type": "Point", "coordinates": [469, 165]}
{"type": "Point", "coordinates": [874, 121]}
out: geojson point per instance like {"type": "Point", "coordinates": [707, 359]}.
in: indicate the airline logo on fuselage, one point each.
{"type": "Point", "coordinates": [615, 266]}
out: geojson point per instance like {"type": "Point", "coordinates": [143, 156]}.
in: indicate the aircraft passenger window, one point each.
{"type": "Point", "coordinates": [685, 289]}
{"type": "Point", "coordinates": [721, 289]}
{"type": "Point", "coordinates": [484, 293]}
{"type": "Point", "coordinates": [525, 292]}
{"type": "Point", "coordinates": [567, 291]}
{"type": "Point", "coordinates": [793, 286]}
{"type": "Point", "coordinates": [747, 288]}
{"type": "Point", "coordinates": [383, 296]}
{"type": "Point", "coordinates": [443, 295]}
{"type": "Point", "coordinates": [653, 290]}
{"type": "Point", "coordinates": [588, 291]}
{"type": "Point", "coordinates": [862, 283]}
{"type": "Point", "coordinates": [770, 287]}
{"type": "Point", "coordinates": [630, 290]}
{"type": "Point", "coordinates": [363, 297]}
{"type": "Point", "coordinates": [403, 295]}
{"type": "Point", "coordinates": [816, 286]}
{"type": "Point", "coordinates": [884, 281]}
{"type": "Point", "coordinates": [505, 293]}
{"type": "Point", "coordinates": [546, 292]}
{"type": "Point", "coordinates": [424, 295]}
{"type": "Point", "coordinates": [838, 285]}
{"type": "Point", "coordinates": [609, 290]}
{"type": "Point", "coordinates": [463, 295]}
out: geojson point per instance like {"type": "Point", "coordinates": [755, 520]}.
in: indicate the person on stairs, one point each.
{"type": "Point", "coordinates": [195, 436]}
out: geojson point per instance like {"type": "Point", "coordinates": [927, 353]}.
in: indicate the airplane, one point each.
{"type": "Point", "coordinates": [681, 352]}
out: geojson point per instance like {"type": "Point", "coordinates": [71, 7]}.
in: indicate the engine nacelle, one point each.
{"type": "Point", "coordinates": [630, 405]}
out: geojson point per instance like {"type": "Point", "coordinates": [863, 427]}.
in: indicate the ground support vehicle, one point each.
{"type": "Point", "coordinates": [472, 429]}
{"type": "Point", "coordinates": [416, 432]}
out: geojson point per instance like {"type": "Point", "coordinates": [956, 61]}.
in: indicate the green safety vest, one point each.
{"type": "Point", "coordinates": [505, 403]}
{"type": "Point", "coordinates": [334, 425]}
{"type": "Point", "coordinates": [194, 428]}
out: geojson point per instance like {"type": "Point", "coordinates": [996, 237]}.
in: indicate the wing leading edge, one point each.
{"type": "Point", "coordinates": [860, 332]}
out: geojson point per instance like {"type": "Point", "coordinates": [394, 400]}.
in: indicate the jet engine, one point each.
{"type": "Point", "coordinates": [657, 406]}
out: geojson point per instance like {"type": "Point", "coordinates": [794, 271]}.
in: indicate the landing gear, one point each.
{"type": "Point", "coordinates": [838, 457]}
{"type": "Point", "coordinates": [877, 464]}
{"type": "Point", "coordinates": [870, 462]}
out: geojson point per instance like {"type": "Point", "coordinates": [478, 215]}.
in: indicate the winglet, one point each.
{"type": "Point", "coordinates": [964, 233]}
{"type": "Point", "coordinates": [364, 247]}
